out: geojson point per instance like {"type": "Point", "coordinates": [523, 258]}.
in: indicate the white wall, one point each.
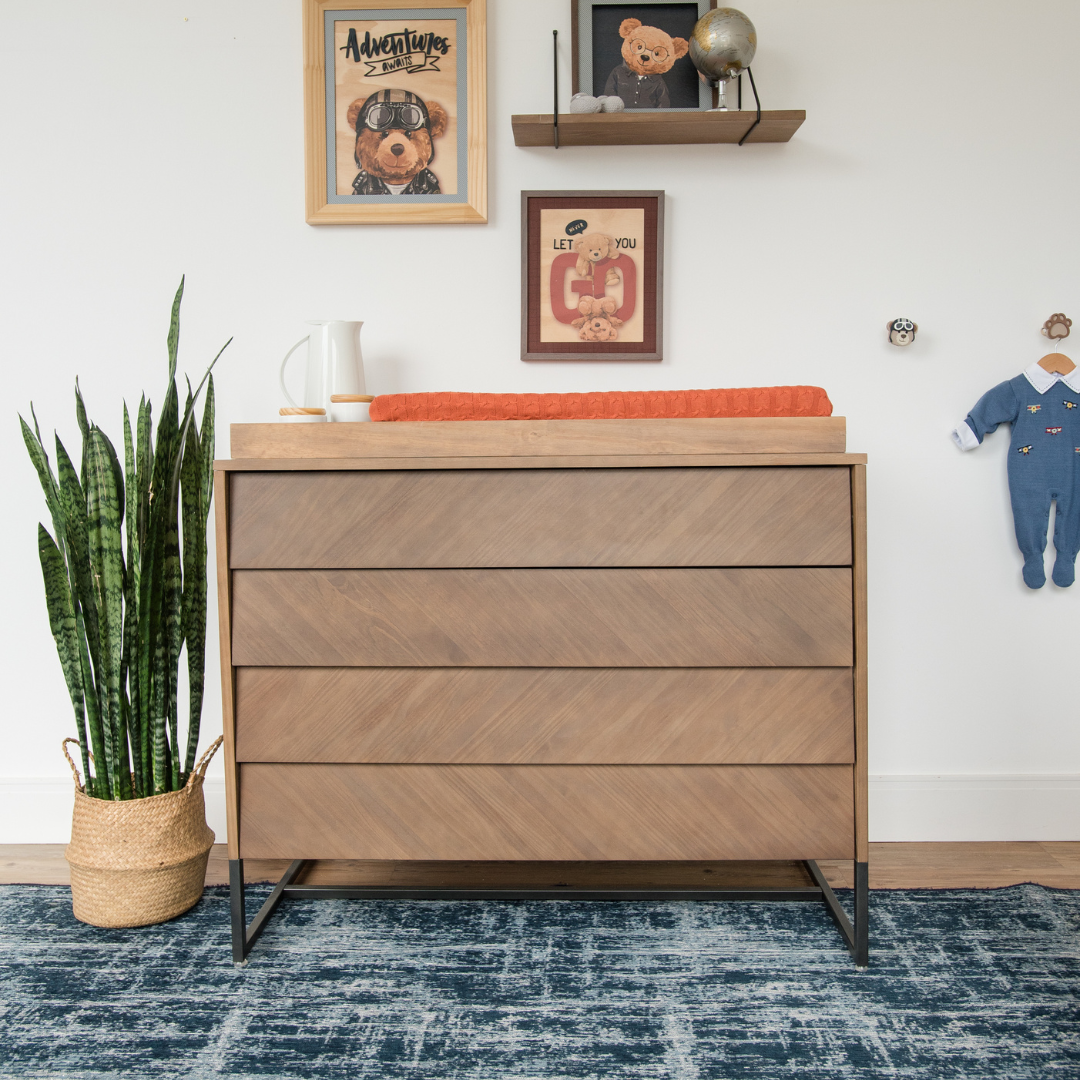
{"type": "Point", "coordinates": [935, 177]}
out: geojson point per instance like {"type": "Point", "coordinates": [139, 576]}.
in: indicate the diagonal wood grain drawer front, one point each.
{"type": "Point", "coordinates": [569, 716]}
{"type": "Point", "coordinates": [546, 812]}
{"type": "Point", "coordinates": [687, 617]}
{"type": "Point", "coordinates": [698, 516]}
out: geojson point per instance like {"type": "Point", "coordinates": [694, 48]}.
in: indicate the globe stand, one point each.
{"type": "Point", "coordinates": [715, 83]}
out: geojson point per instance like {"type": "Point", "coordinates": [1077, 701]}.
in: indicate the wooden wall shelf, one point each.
{"type": "Point", "coordinates": [652, 128]}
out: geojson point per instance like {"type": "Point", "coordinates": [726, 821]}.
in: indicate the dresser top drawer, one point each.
{"type": "Point", "coordinates": [698, 516]}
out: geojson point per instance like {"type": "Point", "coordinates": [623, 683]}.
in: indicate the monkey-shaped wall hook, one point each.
{"type": "Point", "coordinates": [902, 331]}
{"type": "Point", "coordinates": [1057, 326]}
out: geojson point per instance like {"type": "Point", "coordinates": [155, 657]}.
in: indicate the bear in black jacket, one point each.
{"type": "Point", "coordinates": [395, 143]}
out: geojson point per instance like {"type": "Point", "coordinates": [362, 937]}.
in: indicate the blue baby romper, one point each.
{"type": "Point", "coordinates": [1044, 462]}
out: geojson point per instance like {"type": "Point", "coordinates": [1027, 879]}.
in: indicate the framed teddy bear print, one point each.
{"type": "Point", "coordinates": [395, 111]}
{"type": "Point", "coordinates": [638, 52]}
{"type": "Point", "coordinates": [592, 275]}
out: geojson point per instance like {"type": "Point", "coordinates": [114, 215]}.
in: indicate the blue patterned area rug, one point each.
{"type": "Point", "coordinates": [972, 984]}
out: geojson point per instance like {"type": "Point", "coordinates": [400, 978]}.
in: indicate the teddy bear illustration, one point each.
{"type": "Point", "coordinates": [597, 321]}
{"type": "Point", "coordinates": [395, 143]}
{"type": "Point", "coordinates": [591, 249]}
{"type": "Point", "coordinates": [648, 52]}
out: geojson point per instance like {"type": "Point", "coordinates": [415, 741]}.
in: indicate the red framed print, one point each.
{"type": "Point", "coordinates": [592, 268]}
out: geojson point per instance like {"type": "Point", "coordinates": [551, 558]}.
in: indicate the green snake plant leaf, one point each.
{"type": "Point", "coordinates": [84, 598]}
{"type": "Point", "coordinates": [84, 427]}
{"type": "Point", "coordinates": [144, 464]}
{"type": "Point", "coordinates": [201, 474]}
{"type": "Point", "coordinates": [206, 445]}
{"type": "Point", "coordinates": [194, 593]}
{"type": "Point", "coordinates": [174, 639]}
{"type": "Point", "coordinates": [73, 502]}
{"type": "Point", "coordinates": [104, 514]}
{"type": "Point", "coordinates": [140, 675]}
{"type": "Point", "coordinates": [154, 633]}
{"type": "Point", "coordinates": [174, 330]}
{"type": "Point", "coordinates": [133, 716]}
{"type": "Point", "coordinates": [58, 601]}
{"type": "Point", "coordinates": [49, 486]}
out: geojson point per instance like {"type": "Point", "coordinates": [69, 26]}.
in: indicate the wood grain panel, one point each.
{"type": "Point", "coordinates": [228, 684]}
{"type": "Point", "coordinates": [545, 715]}
{"type": "Point", "coordinates": [858, 525]}
{"type": "Point", "coordinates": [520, 462]}
{"type": "Point", "coordinates": [546, 811]}
{"type": "Point", "coordinates": [550, 517]}
{"type": "Point", "coordinates": [652, 128]}
{"type": "Point", "coordinates": [542, 618]}
{"type": "Point", "coordinates": [434, 438]}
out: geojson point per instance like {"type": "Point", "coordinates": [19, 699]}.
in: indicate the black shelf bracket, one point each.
{"type": "Point", "coordinates": [555, 72]}
{"type": "Point", "coordinates": [757, 101]}
{"type": "Point", "coordinates": [244, 936]}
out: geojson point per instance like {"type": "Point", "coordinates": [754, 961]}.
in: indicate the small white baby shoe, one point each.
{"type": "Point", "coordinates": [611, 104]}
{"type": "Point", "coordinates": [586, 103]}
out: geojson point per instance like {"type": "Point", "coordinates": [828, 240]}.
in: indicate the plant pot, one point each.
{"type": "Point", "coordinates": [135, 862]}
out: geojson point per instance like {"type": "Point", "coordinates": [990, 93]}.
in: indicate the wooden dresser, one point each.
{"type": "Point", "coordinates": [550, 640]}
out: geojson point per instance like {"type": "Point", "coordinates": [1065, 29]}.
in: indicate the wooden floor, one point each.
{"type": "Point", "coordinates": [892, 866]}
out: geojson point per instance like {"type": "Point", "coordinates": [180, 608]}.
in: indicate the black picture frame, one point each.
{"type": "Point", "coordinates": [596, 46]}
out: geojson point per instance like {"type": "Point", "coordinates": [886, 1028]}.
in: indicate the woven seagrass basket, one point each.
{"type": "Point", "coordinates": [139, 861]}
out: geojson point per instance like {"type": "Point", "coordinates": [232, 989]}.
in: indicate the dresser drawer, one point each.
{"type": "Point", "coordinates": [541, 517]}
{"type": "Point", "coordinates": [780, 617]}
{"type": "Point", "coordinates": [542, 812]}
{"type": "Point", "coordinates": [550, 716]}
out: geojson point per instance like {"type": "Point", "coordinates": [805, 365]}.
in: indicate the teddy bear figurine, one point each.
{"type": "Point", "coordinates": [648, 52]}
{"type": "Point", "coordinates": [591, 249]}
{"type": "Point", "coordinates": [598, 321]}
{"type": "Point", "coordinates": [395, 143]}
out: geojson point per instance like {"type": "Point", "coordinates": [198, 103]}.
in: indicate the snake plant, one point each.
{"type": "Point", "coordinates": [125, 583]}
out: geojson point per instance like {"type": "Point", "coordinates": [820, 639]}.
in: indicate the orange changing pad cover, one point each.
{"type": "Point", "coordinates": [606, 405]}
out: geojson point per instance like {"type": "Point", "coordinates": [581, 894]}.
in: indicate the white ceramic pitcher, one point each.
{"type": "Point", "coordinates": [334, 364]}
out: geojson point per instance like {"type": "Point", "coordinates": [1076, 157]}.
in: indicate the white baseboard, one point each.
{"type": "Point", "coordinates": [37, 810]}
{"type": "Point", "coordinates": [958, 806]}
{"type": "Point", "coordinates": [963, 806]}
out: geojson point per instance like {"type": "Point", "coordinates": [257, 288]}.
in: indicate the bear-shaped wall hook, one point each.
{"type": "Point", "coordinates": [395, 143]}
{"type": "Point", "coordinates": [1056, 327]}
{"type": "Point", "coordinates": [648, 53]}
{"type": "Point", "coordinates": [902, 331]}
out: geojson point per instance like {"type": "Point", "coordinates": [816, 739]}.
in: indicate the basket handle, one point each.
{"type": "Point", "coordinates": [204, 761]}
{"type": "Point", "coordinates": [74, 767]}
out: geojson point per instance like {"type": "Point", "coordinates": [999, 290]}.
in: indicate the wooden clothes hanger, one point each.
{"type": "Point", "coordinates": [1057, 363]}
{"type": "Point", "coordinates": [1056, 328]}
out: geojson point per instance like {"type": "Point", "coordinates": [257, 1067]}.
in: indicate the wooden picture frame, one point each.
{"type": "Point", "coordinates": [595, 47]}
{"type": "Point", "coordinates": [592, 273]}
{"type": "Point", "coordinates": [407, 76]}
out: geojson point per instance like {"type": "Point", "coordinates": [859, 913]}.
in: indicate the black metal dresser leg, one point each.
{"type": "Point", "coordinates": [236, 905]}
{"type": "Point", "coordinates": [855, 937]}
{"type": "Point", "coordinates": [861, 951]}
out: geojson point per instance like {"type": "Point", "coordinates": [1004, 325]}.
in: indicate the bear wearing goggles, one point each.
{"type": "Point", "coordinates": [395, 143]}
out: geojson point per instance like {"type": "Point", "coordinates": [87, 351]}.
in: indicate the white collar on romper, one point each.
{"type": "Point", "coordinates": [1042, 379]}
